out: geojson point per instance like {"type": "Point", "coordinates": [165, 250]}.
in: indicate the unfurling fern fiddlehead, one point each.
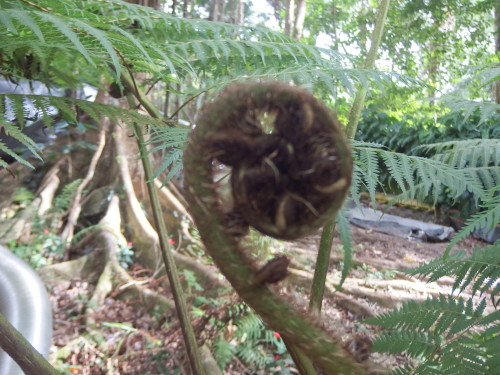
{"type": "Point", "coordinates": [290, 171]}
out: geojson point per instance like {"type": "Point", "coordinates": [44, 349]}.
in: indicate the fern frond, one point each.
{"type": "Point", "coordinates": [172, 159]}
{"type": "Point", "coordinates": [447, 345]}
{"type": "Point", "coordinates": [254, 355]}
{"type": "Point", "coordinates": [73, 106]}
{"type": "Point", "coordinates": [445, 315]}
{"type": "Point", "coordinates": [403, 370]}
{"type": "Point", "coordinates": [460, 356]}
{"type": "Point", "coordinates": [250, 332]}
{"type": "Point", "coordinates": [416, 344]}
{"type": "Point", "coordinates": [344, 230]}
{"type": "Point", "coordinates": [162, 43]}
{"type": "Point", "coordinates": [61, 25]}
{"type": "Point", "coordinates": [478, 157]}
{"type": "Point", "coordinates": [486, 219]}
{"type": "Point", "coordinates": [250, 326]}
{"type": "Point", "coordinates": [68, 107]}
{"type": "Point", "coordinates": [223, 352]}
{"type": "Point", "coordinates": [357, 181]}
{"type": "Point", "coordinates": [487, 109]}
{"type": "Point", "coordinates": [14, 131]}
{"type": "Point", "coordinates": [65, 197]}
{"type": "Point", "coordinates": [11, 153]}
{"type": "Point", "coordinates": [415, 176]}
{"type": "Point", "coordinates": [481, 270]}
{"type": "Point", "coordinates": [369, 160]}
{"type": "Point", "coordinates": [172, 141]}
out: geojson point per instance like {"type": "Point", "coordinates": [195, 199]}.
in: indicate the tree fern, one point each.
{"type": "Point", "coordinates": [68, 107]}
{"type": "Point", "coordinates": [172, 142]}
{"type": "Point", "coordinates": [487, 219]}
{"type": "Point", "coordinates": [65, 197]}
{"type": "Point", "coordinates": [223, 352]}
{"type": "Point", "coordinates": [480, 271]}
{"type": "Point", "coordinates": [249, 343]}
{"type": "Point", "coordinates": [473, 171]}
{"type": "Point", "coordinates": [14, 131]}
{"type": "Point", "coordinates": [447, 335]}
{"type": "Point", "coordinates": [479, 157]}
{"type": "Point", "coordinates": [415, 176]}
{"type": "Point", "coordinates": [100, 39]}
{"type": "Point", "coordinates": [115, 30]}
{"type": "Point", "coordinates": [346, 238]}
{"type": "Point", "coordinates": [476, 84]}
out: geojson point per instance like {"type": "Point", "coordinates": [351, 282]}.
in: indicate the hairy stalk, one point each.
{"type": "Point", "coordinates": [168, 259]}
{"type": "Point", "coordinates": [235, 131]}
{"type": "Point", "coordinates": [302, 362]}
{"type": "Point", "coordinates": [325, 247]}
{"type": "Point", "coordinates": [21, 351]}
{"type": "Point", "coordinates": [359, 101]}
{"type": "Point", "coordinates": [321, 269]}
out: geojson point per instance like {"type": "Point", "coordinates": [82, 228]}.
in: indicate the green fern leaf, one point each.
{"type": "Point", "coordinates": [64, 199]}
{"type": "Point", "coordinates": [134, 41]}
{"type": "Point", "coordinates": [11, 153]}
{"type": "Point", "coordinates": [356, 184]}
{"type": "Point", "coordinates": [250, 326]}
{"type": "Point", "coordinates": [223, 352]}
{"type": "Point", "coordinates": [442, 315]}
{"type": "Point", "coordinates": [369, 164]}
{"type": "Point", "coordinates": [403, 370]}
{"type": "Point", "coordinates": [15, 132]}
{"type": "Point", "coordinates": [25, 18]}
{"type": "Point", "coordinates": [395, 168]}
{"type": "Point", "coordinates": [62, 26]}
{"type": "Point", "coordinates": [488, 218]}
{"type": "Point", "coordinates": [344, 230]}
{"type": "Point", "coordinates": [416, 344]}
{"type": "Point", "coordinates": [481, 270]}
{"type": "Point", "coordinates": [105, 42]}
{"type": "Point", "coordinates": [6, 21]}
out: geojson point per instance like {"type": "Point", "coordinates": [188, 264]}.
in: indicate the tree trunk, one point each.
{"type": "Point", "coordinates": [299, 19]}
{"type": "Point", "coordinates": [222, 13]}
{"type": "Point", "coordinates": [239, 12]}
{"type": "Point", "coordinates": [433, 64]}
{"type": "Point", "coordinates": [290, 17]}
{"type": "Point", "coordinates": [156, 4]}
{"type": "Point", "coordinates": [215, 10]}
{"type": "Point", "coordinates": [496, 85]}
{"type": "Point", "coordinates": [186, 8]}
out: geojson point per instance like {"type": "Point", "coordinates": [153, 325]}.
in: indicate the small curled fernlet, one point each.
{"type": "Point", "coordinates": [290, 168]}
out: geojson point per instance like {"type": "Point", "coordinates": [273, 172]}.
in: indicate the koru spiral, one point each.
{"type": "Point", "coordinates": [290, 170]}
{"type": "Point", "coordinates": [291, 165]}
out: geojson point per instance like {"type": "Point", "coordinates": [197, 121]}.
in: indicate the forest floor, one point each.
{"type": "Point", "coordinates": [147, 344]}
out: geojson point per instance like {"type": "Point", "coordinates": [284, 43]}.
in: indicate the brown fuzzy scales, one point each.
{"type": "Point", "coordinates": [283, 146]}
{"type": "Point", "coordinates": [295, 177]}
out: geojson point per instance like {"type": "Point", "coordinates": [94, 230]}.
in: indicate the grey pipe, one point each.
{"type": "Point", "coordinates": [25, 303]}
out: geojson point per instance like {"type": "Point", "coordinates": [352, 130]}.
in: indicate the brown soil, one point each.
{"type": "Point", "coordinates": [135, 341]}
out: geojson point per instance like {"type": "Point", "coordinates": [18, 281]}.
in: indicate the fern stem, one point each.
{"type": "Point", "coordinates": [302, 362]}
{"type": "Point", "coordinates": [168, 259]}
{"type": "Point", "coordinates": [321, 269]}
{"type": "Point", "coordinates": [21, 351]}
{"type": "Point", "coordinates": [325, 247]}
{"type": "Point", "coordinates": [359, 100]}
